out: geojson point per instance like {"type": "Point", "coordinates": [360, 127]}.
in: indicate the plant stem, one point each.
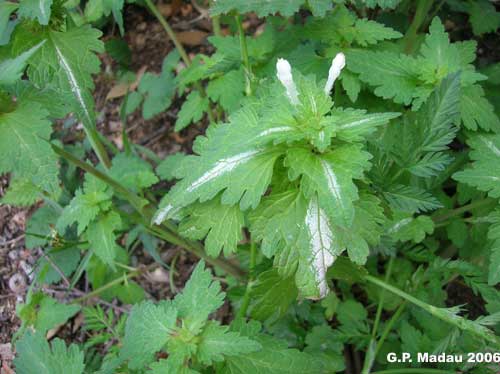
{"type": "Point", "coordinates": [461, 210]}
{"type": "Point", "coordinates": [388, 327]}
{"type": "Point", "coordinates": [244, 56]}
{"type": "Point", "coordinates": [369, 358]}
{"type": "Point", "coordinates": [441, 313]}
{"type": "Point", "coordinates": [246, 297]}
{"type": "Point", "coordinates": [170, 32]}
{"type": "Point", "coordinates": [423, 7]}
{"type": "Point", "coordinates": [97, 146]}
{"type": "Point", "coordinates": [108, 285]}
{"type": "Point", "coordinates": [169, 233]}
{"type": "Point", "coordinates": [216, 26]}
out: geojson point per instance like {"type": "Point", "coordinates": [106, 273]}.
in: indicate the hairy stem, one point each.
{"type": "Point", "coordinates": [244, 56]}
{"type": "Point", "coordinates": [441, 313]}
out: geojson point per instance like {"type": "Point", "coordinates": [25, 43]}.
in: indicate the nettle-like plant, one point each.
{"type": "Point", "coordinates": [345, 189]}
{"type": "Point", "coordinates": [289, 161]}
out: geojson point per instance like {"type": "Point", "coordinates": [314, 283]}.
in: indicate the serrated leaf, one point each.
{"type": "Point", "coordinates": [133, 172]}
{"type": "Point", "coordinates": [39, 9]}
{"type": "Point", "coordinates": [34, 356]}
{"type": "Point", "coordinates": [21, 192]}
{"type": "Point", "coordinates": [228, 90]}
{"type": "Point", "coordinates": [102, 238]}
{"type": "Point", "coordinates": [411, 199]}
{"type": "Point", "coordinates": [371, 32]}
{"type": "Point", "coordinates": [200, 297]}
{"type": "Point", "coordinates": [40, 224]}
{"type": "Point", "coordinates": [158, 91]}
{"type": "Point", "coordinates": [477, 111]}
{"type": "Point", "coordinates": [6, 9]}
{"type": "Point", "coordinates": [11, 70]}
{"type": "Point", "coordinates": [404, 227]}
{"type": "Point", "coordinates": [66, 60]}
{"type": "Point", "coordinates": [43, 312]}
{"type": "Point", "coordinates": [272, 295]}
{"type": "Point", "coordinates": [167, 168]}
{"type": "Point", "coordinates": [485, 171]}
{"type": "Point", "coordinates": [217, 343]}
{"type": "Point", "coordinates": [24, 146]}
{"type": "Point", "coordinates": [243, 156]}
{"type": "Point", "coordinates": [483, 17]}
{"type": "Point", "coordinates": [393, 76]}
{"type": "Point", "coordinates": [221, 225]}
{"type": "Point", "coordinates": [192, 110]}
{"type": "Point", "coordinates": [148, 329]}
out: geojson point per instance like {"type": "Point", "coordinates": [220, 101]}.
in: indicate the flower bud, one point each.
{"type": "Point", "coordinates": [284, 74]}
{"type": "Point", "coordinates": [338, 64]}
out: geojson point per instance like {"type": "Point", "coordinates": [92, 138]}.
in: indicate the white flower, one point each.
{"type": "Point", "coordinates": [338, 64]}
{"type": "Point", "coordinates": [284, 74]}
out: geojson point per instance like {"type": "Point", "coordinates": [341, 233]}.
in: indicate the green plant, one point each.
{"type": "Point", "coordinates": [347, 181]}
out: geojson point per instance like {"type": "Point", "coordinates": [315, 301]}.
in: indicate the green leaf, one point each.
{"type": "Point", "coordinates": [39, 9]}
{"type": "Point", "coordinates": [21, 192]}
{"type": "Point", "coordinates": [167, 168]}
{"type": "Point", "coordinates": [262, 7]}
{"type": "Point", "coordinates": [24, 146]}
{"type": "Point", "coordinates": [86, 205]}
{"type": "Point", "coordinates": [133, 172]}
{"type": "Point", "coordinates": [393, 76]}
{"type": "Point", "coordinates": [34, 356]}
{"type": "Point", "coordinates": [272, 295]}
{"type": "Point", "coordinates": [411, 199]}
{"type": "Point", "coordinates": [483, 17]}
{"type": "Point", "coordinates": [66, 260]}
{"type": "Point", "coordinates": [11, 70]}
{"type": "Point", "coordinates": [158, 91]}
{"type": "Point", "coordinates": [192, 110]}
{"type": "Point", "coordinates": [228, 90]}
{"type": "Point", "coordinates": [40, 225]}
{"type": "Point", "coordinates": [6, 9]}
{"type": "Point", "coordinates": [405, 228]}
{"type": "Point", "coordinates": [148, 329]}
{"type": "Point", "coordinates": [217, 343]}
{"type": "Point", "coordinates": [102, 238]}
{"type": "Point", "coordinates": [485, 171]}
{"type": "Point", "coordinates": [226, 158]}
{"type": "Point", "coordinates": [331, 177]}
{"type": "Point", "coordinates": [200, 297]}
{"type": "Point", "coordinates": [44, 313]}
{"type": "Point", "coordinates": [371, 32]}
{"type": "Point", "coordinates": [221, 224]}
{"type": "Point", "coordinates": [67, 61]}
{"type": "Point", "coordinates": [477, 111]}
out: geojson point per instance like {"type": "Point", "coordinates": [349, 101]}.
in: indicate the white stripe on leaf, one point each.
{"type": "Point", "coordinates": [274, 130]}
{"type": "Point", "coordinates": [222, 167]}
{"type": "Point", "coordinates": [321, 244]}
{"type": "Point", "coordinates": [332, 182]}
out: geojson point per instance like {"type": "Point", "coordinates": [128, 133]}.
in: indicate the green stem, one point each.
{"type": "Point", "coordinates": [423, 8]}
{"type": "Point", "coordinates": [441, 313]}
{"type": "Point", "coordinates": [216, 26]}
{"type": "Point", "coordinates": [461, 210]}
{"type": "Point", "coordinates": [108, 285]}
{"type": "Point", "coordinates": [389, 326]}
{"type": "Point", "coordinates": [97, 146]}
{"type": "Point", "coordinates": [244, 56]}
{"type": "Point", "coordinates": [247, 296]}
{"type": "Point", "coordinates": [369, 358]}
